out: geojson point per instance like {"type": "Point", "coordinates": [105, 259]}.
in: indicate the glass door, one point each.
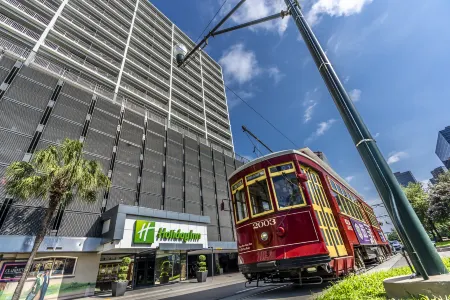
{"type": "Point", "coordinates": [145, 269]}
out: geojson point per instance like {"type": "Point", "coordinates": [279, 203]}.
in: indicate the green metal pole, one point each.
{"type": "Point", "coordinates": [422, 252]}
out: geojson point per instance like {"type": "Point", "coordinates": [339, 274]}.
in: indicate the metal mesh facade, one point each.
{"type": "Point", "coordinates": [98, 58]}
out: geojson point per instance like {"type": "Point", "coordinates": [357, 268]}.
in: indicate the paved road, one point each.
{"type": "Point", "coordinates": [264, 291]}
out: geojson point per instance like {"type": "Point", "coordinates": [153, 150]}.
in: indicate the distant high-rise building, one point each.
{"type": "Point", "coordinates": [405, 178]}
{"type": "Point", "coordinates": [443, 146]}
{"type": "Point", "coordinates": [436, 172]}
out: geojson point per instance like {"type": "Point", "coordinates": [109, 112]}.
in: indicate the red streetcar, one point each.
{"type": "Point", "coordinates": [297, 220]}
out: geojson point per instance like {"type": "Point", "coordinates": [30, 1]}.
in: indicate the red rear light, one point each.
{"type": "Point", "coordinates": [281, 231]}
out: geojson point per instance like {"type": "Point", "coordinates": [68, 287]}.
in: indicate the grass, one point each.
{"type": "Point", "coordinates": [443, 244]}
{"type": "Point", "coordinates": [366, 286]}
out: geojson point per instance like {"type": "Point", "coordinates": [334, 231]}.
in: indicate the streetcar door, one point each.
{"type": "Point", "coordinates": [324, 214]}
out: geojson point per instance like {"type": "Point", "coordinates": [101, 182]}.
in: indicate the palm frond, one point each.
{"type": "Point", "coordinates": [47, 160]}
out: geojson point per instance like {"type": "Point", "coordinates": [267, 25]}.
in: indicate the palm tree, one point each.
{"type": "Point", "coordinates": [57, 173]}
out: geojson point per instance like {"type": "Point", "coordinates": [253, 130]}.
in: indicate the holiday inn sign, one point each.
{"type": "Point", "coordinates": [144, 233]}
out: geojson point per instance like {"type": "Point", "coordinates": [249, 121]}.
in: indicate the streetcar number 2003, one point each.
{"type": "Point", "coordinates": [263, 223]}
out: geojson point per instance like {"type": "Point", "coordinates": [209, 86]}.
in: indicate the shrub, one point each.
{"type": "Point", "coordinates": [165, 268]}
{"type": "Point", "coordinates": [202, 263]}
{"type": "Point", "coordinates": [365, 286]}
{"type": "Point", "coordinates": [123, 269]}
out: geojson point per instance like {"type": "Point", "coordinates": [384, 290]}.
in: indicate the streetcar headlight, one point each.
{"type": "Point", "coordinates": [264, 236]}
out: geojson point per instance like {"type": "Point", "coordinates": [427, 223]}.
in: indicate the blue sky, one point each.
{"type": "Point", "coordinates": [392, 57]}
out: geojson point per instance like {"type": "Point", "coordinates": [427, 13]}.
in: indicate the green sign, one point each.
{"type": "Point", "coordinates": [144, 232]}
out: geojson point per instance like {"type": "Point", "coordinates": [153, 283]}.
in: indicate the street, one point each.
{"type": "Point", "coordinates": [232, 287]}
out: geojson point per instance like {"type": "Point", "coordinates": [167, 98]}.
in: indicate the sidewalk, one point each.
{"type": "Point", "coordinates": [386, 265]}
{"type": "Point", "coordinates": [184, 287]}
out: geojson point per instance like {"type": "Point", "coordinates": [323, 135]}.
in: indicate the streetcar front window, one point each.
{"type": "Point", "coordinates": [240, 206]}
{"type": "Point", "coordinates": [259, 197]}
{"type": "Point", "coordinates": [287, 190]}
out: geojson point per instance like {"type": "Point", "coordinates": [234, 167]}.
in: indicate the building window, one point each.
{"type": "Point", "coordinates": [55, 266]}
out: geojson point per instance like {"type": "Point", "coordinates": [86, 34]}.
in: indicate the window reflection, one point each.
{"type": "Point", "coordinates": [240, 206]}
{"type": "Point", "coordinates": [287, 190]}
{"type": "Point", "coordinates": [259, 197]}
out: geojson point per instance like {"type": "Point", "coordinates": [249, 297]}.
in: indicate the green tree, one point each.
{"type": "Point", "coordinates": [439, 194]}
{"type": "Point", "coordinates": [393, 236]}
{"type": "Point", "coordinates": [419, 200]}
{"type": "Point", "coordinates": [56, 173]}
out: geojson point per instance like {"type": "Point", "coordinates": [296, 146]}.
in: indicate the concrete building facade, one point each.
{"type": "Point", "coordinates": [103, 72]}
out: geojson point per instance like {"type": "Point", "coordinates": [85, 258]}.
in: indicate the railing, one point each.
{"type": "Point", "coordinates": [211, 72]}
{"type": "Point", "coordinates": [146, 82]}
{"type": "Point", "coordinates": [186, 76]}
{"type": "Point", "coordinates": [155, 15]}
{"type": "Point", "coordinates": [75, 78]}
{"type": "Point", "coordinates": [79, 60]}
{"type": "Point", "coordinates": [13, 49]}
{"type": "Point", "coordinates": [115, 10]}
{"type": "Point", "coordinates": [218, 85]}
{"type": "Point", "coordinates": [213, 89]}
{"type": "Point", "coordinates": [154, 40]}
{"type": "Point", "coordinates": [182, 130]}
{"type": "Point", "coordinates": [159, 52]}
{"type": "Point", "coordinates": [197, 101]}
{"type": "Point", "coordinates": [215, 99]}
{"type": "Point", "coordinates": [219, 125]}
{"type": "Point", "coordinates": [48, 5]}
{"type": "Point", "coordinates": [93, 34]}
{"type": "Point", "coordinates": [97, 21]}
{"type": "Point", "coordinates": [217, 136]}
{"type": "Point", "coordinates": [210, 63]}
{"type": "Point", "coordinates": [188, 120]}
{"type": "Point", "coordinates": [95, 7]}
{"type": "Point", "coordinates": [145, 69]}
{"type": "Point", "coordinates": [166, 36]}
{"type": "Point", "coordinates": [187, 107]}
{"type": "Point", "coordinates": [188, 86]}
{"type": "Point", "coordinates": [7, 21]}
{"type": "Point", "coordinates": [212, 112]}
{"type": "Point", "coordinates": [150, 59]}
{"type": "Point", "coordinates": [86, 46]}
{"type": "Point", "coordinates": [145, 96]}
{"type": "Point", "coordinates": [28, 11]}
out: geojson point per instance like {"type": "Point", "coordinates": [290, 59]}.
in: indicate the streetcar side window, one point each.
{"type": "Point", "coordinates": [240, 205]}
{"type": "Point", "coordinates": [286, 186]}
{"type": "Point", "coordinates": [258, 193]}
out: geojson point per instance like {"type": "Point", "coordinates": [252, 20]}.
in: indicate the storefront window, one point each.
{"type": "Point", "coordinates": [56, 266]}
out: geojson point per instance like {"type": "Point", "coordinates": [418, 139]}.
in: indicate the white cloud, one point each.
{"type": "Point", "coordinates": [396, 157]}
{"type": "Point", "coordinates": [346, 79]}
{"type": "Point", "coordinates": [322, 127]}
{"type": "Point", "coordinates": [275, 73]}
{"type": "Point", "coordinates": [239, 64]}
{"type": "Point", "coordinates": [256, 9]}
{"type": "Point", "coordinates": [355, 95]}
{"type": "Point", "coordinates": [309, 111]}
{"type": "Point", "coordinates": [336, 8]}
{"type": "Point", "coordinates": [376, 135]}
{"type": "Point", "coordinates": [349, 178]}
{"type": "Point", "coordinates": [233, 101]}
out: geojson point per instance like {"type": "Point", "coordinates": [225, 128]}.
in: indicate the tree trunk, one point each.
{"type": "Point", "coordinates": [53, 203]}
{"type": "Point", "coordinates": [438, 235]}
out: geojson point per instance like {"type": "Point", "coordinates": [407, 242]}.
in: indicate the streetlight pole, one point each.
{"type": "Point", "coordinates": [425, 257]}
{"type": "Point", "coordinates": [422, 252]}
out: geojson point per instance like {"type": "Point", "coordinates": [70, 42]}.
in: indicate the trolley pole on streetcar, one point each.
{"type": "Point", "coordinates": [423, 255]}
{"type": "Point", "coordinates": [405, 220]}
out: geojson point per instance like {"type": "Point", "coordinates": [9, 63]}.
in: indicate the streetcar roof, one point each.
{"type": "Point", "coordinates": [306, 152]}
